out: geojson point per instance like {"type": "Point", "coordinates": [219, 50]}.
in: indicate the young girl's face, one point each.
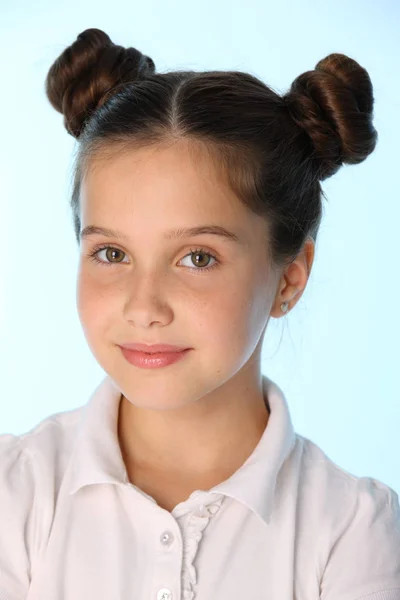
{"type": "Point", "coordinates": [151, 288]}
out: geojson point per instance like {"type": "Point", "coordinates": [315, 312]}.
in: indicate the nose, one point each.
{"type": "Point", "coordinates": [146, 300]}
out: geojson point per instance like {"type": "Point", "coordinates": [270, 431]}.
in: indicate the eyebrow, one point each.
{"type": "Point", "coordinates": [169, 235]}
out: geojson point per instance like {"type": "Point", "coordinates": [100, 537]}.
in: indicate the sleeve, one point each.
{"type": "Point", "coordinates": [364, 561]}
{"type": "Point", "coordinates": [16, 502]}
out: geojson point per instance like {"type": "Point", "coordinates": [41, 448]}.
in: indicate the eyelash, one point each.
{"type": "Point", "coordinates": [97, 249]}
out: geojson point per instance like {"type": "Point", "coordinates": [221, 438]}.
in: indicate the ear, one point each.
{"type": "Point", "coordinates": [294, 279]}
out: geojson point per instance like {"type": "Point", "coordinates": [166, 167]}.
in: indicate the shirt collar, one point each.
{"type": "Point", "coordinates": [97, 458]}
{"type": "Point", "coordinates": [254, 483]}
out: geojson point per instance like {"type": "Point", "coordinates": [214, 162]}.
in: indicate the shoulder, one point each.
{"type": "Point", "coordinates": [43, 450]}
{"type": "Point", "coordinates": [42, 453]}
{"type": "Point", "coordinates": [336, 491]}
{"type": "Point", "coordinates": [333, 481]}
{"type": "Point", "coordinates": [31, 470]}
{"type": "Point", "coordinates": [357, 521]}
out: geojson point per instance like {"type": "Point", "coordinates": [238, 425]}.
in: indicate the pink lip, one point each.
{"type": "Point", "coordinates": [152, 349]}
{"type": "Point", "coordinates": [154, 360]}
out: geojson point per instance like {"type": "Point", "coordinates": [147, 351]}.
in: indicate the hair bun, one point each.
{"type": "Point", "coordinates": [90, 70]}
{"type": "Point", "coordinates": [334, 105]}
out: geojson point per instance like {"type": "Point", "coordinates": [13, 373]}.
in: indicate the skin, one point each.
{"type": "Point", "coordinates": [191, 424]}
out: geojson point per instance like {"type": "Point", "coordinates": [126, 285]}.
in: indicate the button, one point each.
{"type": "Point", "coordinates": [164, 594]}
{"type": "Point", "coordinates": [166, 538]}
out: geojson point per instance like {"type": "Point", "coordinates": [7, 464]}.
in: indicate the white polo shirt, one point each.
{"type": "Point", "coordinates": [288, 525]}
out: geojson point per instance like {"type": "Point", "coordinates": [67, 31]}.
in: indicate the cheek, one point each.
{"type": "Point", "coordinates": [229, 318]}
{"type": "Point", "coordinates": [93, 303]}
{"type": "Point", "coordinates": [245, 314]}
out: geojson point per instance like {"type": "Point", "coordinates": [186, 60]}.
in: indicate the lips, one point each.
{"type": "Point", "coordinates": [153, 348]}
{"type": "Point", "coordinates": [154, 360]}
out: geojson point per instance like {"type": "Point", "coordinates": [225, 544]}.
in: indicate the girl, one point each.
{"type": "Point", "coordinates": [196, 205]}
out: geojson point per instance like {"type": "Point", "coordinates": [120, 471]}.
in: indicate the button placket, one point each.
{"type": "Point", "coordinates": [168, 558]}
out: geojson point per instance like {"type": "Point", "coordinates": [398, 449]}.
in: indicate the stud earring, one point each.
{"type": "Point", "coordinates": [284, 306]}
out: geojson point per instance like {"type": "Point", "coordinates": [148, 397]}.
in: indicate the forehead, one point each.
{"type": "Point", "coordinates": [175, 179]}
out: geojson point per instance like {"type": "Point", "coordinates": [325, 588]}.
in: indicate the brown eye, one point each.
{"type": "Point", "coordinates": [201, 259]}
{"type": "Point", "coordinates": [112, 253]}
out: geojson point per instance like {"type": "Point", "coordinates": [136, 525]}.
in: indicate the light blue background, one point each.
{"type": "Point", "coordinates": [336, 355]}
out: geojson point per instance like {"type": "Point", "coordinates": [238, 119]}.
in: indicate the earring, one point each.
{"type": "Point", "coordinates": [284, 306]}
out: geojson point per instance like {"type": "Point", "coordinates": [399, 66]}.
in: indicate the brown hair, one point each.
{"type": "Point", "coordinates": [273, 150]}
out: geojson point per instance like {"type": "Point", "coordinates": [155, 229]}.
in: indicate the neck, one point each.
{"type": "Point", "coordinates": [211, 437]}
